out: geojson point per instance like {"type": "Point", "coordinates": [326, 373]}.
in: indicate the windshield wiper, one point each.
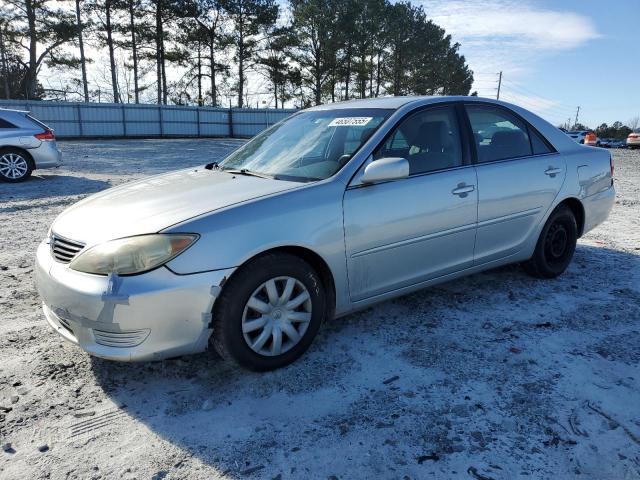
{"type": "Point", "coordinates": [249, 173]}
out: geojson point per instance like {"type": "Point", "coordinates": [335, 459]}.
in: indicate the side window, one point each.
{"type": "Point", "coordinates": [5, 124]}
{"type": "Point", "coordinates": [429, 140]}
{"type": "Point", "coordinates": [539, 145]}
{"type": "Point", "coordinates": [498, 134]}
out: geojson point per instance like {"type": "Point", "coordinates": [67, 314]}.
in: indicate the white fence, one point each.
{"type": "Point", "coordinates": [121, 120]}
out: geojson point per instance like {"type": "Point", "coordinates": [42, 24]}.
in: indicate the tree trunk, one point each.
{"type": "Point", "coordinates": [347, 75]}
{"type": "Point", "coordinates": [134, 51]}
{"type": "Point", "coordinates": [112, 58]}
{"type": "Point", "coordinates": [275, 93]}
{"type": "Point", "coordinates": [378, 73]}
{"type": "Point", "coordinates": [5, 69]}
{"type": "Point", "coordinates": [159, 50]}
{"type": "Point", "coordinates": [371, 77]}
{"type": "Point", "coordinates": [32, 71]}
{"type": "Point", "coordinates": [240, 64]}
{"type": "Point", "coordinates": [200, 103]}
{"type": "Point", "coordinates": [164, 71]}
{"type": "Point", "coordinates": [83, 61]}
{"type": "Point", "coordinates": [212, 66]}
{"type": "Point", "coordinates": [318, 80]}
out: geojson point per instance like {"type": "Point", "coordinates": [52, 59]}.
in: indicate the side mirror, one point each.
{"type": "Point", "coordinates": [392, 168]}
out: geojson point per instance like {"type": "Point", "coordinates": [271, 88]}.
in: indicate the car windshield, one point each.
{"type": "Point", "coordinates": [308, 146]}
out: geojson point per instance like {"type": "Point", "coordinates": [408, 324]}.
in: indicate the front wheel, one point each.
{"type": "Point", "coordinates": [15, 166]}
{"type": "Point", "coordinates": [556, 245]}
{"type": "Point", "coordinates": [269, 312]}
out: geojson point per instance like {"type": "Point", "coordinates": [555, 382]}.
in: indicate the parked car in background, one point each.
{"type": "Point", "coordinates": [617, 143]}
{"type": "Point", "coordinates": [578, 135]}
{"type": "Point", "coordinates": [606, 142]}
{"type": "Point", "coordinates": [25, 145]}
{"type": "Point", "coordinates": [591, 139]}
{"type": "Point", "coordinates": [327, 212]}
{"type": "Point", "coordinates": [633, 140]}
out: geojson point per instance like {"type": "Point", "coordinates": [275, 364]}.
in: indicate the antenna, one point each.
{"type": "Point", "coordinates": [499, 85]}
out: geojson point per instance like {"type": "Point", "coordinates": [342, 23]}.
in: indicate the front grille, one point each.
{"type": "Point", "coordinates": [64, 250]}
{"type": "Point", "coordinates": [129, 338]}
{"type": "Point", "coordinates": [65, 324]}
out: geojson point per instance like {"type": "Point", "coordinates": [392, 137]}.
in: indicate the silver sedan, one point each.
{"type": "Point", "coordinates": [330, 211]}
{"type": "Point", "coordinates": [25, 144]}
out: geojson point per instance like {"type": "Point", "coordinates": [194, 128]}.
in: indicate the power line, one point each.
{"type": "Point", "coordinates": [527, 92]}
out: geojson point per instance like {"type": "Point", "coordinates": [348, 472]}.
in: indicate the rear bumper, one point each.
{"type": "Point", "coordinates": [46, 155]}
{"type": "Point", "coordinates": [634, 142]}
{"type": "Point", "coordinates": [597, 207]}
{"type": "Point", "coordinates": [151, 316]}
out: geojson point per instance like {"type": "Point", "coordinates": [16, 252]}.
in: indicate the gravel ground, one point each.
{"type": "Point", "coordinates": [492, 377]}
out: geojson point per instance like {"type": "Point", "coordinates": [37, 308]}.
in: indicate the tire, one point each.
{"type": "Point", "coordinates": [556, 245]}
{"type": "Point", "coordinates": [15, 165]}
{"type": "Point", "coordinates": [234, 336]}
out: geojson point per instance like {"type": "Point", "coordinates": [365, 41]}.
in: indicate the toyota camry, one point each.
{"type": "Point", "coordinates": [334, 209]}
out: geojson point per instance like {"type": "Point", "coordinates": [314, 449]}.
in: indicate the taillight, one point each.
{"type": "Point", "coordinates": [611, 165]}
{"type": "Point", "coordinates": [633, 135]}
{"type": "Point", "coordinates": [46, 135]}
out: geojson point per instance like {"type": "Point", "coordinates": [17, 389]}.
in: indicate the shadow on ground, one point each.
{"type": "Point", "coordinates": [44, 186]}
{"type": "Point", "coordinates": [472, 374]}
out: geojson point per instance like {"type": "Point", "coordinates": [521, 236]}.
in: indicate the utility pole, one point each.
{"type": "Point", "coordinates": [499, 85]}
{"type": "Point", "coordinates": [577, 112]}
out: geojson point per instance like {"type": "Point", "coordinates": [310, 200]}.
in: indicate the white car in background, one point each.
{"type": "Point", "coordinates": [633, 140]}
{"type": "Point", "coordinates": [578, 135]}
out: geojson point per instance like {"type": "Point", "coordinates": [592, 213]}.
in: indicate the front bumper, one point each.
{"type": "Point", "coordinates": [150, 316]}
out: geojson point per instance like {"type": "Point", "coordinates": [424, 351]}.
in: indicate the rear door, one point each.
{"type": "Point", "coordinates": [519, 176]}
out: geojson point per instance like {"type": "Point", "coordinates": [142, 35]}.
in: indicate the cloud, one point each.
{"type": "Point", "coordinates": [511, 36]}
{"type": "Point", "coordinates": [515, 22]}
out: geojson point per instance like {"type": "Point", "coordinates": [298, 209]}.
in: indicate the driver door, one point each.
{"type": "Point", "coordinates": [404, 232]}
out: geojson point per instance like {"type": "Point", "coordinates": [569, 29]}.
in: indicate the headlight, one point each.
{"type": "Point", "coordinates": [127, 256]}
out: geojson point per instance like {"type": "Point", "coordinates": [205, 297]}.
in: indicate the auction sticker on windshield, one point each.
{"type": "Point", "coordinates": [350, 121]}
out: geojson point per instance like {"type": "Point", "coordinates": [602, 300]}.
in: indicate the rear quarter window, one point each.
{"type": "Point", "coordinates": [6, 124]}
{"type": "Point", "coordinates": [540, 147]}
{"type": "Point", "coordinates": [37, 122]}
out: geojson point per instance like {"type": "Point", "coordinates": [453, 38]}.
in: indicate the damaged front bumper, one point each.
{"type": "Point", "coordinates": [150, 316]}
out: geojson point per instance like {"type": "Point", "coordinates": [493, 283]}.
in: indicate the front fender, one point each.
{"type": "Point", "coordinates": [309, 217]}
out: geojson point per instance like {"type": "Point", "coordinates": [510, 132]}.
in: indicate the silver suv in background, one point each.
{"type": "Point", "coordinates": [25, 144]}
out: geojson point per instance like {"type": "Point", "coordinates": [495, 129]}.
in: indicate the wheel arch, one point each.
{"type": "Point", "coordinates": [21, 151]}
{"type": "Point", "coordinates": [312, 258]}
{"type": "Point", "coordinates": [577, 209]}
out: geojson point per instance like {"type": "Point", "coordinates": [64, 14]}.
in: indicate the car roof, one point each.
{"type": "Point", "coordinates": [397, 102]}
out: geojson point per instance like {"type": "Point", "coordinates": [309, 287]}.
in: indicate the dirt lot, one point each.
{"type": "Point", "coordinates": [494, 376]}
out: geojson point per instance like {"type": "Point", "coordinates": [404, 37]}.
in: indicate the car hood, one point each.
{"type": "Point", "coordinates": [155, 203]}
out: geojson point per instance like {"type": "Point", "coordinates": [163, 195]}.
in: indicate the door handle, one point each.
{"type": "Point", "coordinates": [552, 171]}
{"type": "Point", "coordinates": [462, 190]}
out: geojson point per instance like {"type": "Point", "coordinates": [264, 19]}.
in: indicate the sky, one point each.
{"type": "Point", "coordinates": [554, 55]}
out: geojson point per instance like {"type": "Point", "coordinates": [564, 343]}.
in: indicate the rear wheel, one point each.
{"type": "Point", "coordinates": [15, 166]}
{"type": "Point", "coordinates": [269, 312]}
{"type": "Point", "coordinates": [556, 245]}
